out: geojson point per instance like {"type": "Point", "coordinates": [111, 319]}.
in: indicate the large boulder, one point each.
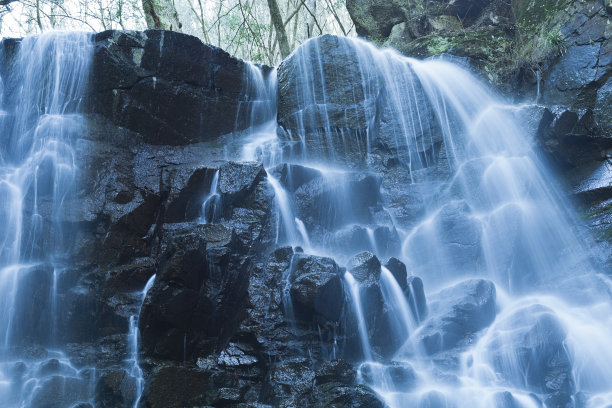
{"type": "Point", "coordinates": [364, 266]}
{"type": "Point", "coordinates": [337, 199]}
{"type": "Point", "coordinates": [375, 19]}
{"type": "Point", "coordinates": [456, 313]}
{"type": "Point", "coordinates": [321, 85]}
{"type": "Point", "coordinates": [316, 285]}
{"type": "Point", "coordinates": [340, 99]}
{"type": "Point", "coordinates": [531, 340]}
{"type": "Point", "coordinates": [198, 83]}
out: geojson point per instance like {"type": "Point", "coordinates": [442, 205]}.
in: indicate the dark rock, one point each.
{"type": "Point", "coordinates": [603, 116]}
{"type": "Point", "coordinates": [416, 298]}
{"type": "Point", "coordinates": [187, 290]}
{"type": "Point", "coordinates": [293, 176]}
{"type": "Point", "coordinates": [290, 380]}
{"type": "Point", "coordinates": [375, 19]}
{"type": "Point", "coordinates": [570, 140]}
{"type": "Point", "coordinates": [176, 387]}
{"type": "Point", "coordinates": [195, 81]}
{"type": "Point", "coordinates": [115, 389]}
{"type": "Point", "coordinates": [338, 395]}
{"type": "Point", "coordinates": [237, 181]}
{"type": "Point", "coordinates": [456, 313]}
{"type": "Point", "coordinates": [364, 266]}
{"type": "Point", "coordinates": [336, 371]}
{"type": "Point", "coordinates": [538, 349]}
{"type": "Point", "coordinates": [333, 201]}
{"type": "Point", "coordinates": [575, 71]}
{"type": "Point", "coordinates": [315, 284]}
{"type": "Point", "coordinates": [398, 270]}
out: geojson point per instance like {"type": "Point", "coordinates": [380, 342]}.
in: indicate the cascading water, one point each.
{"type": "Point", "coordinates": [133, 339]}
{"type": "Point", "coordinates": [374, 152]}
{"type": "Point", "coordinates": [488, 210]}
{"type": "Point", "coordinates": [44, 80]}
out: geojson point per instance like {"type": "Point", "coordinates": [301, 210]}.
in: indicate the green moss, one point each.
{"type": "Point", "coordinates": [438, 45]}
{"type": "Point", "coordinates": [531, 14]}
{"type": "Point", "coordinates": [598, 211]}
{"type": "Point", "coordinates": [539, 29]}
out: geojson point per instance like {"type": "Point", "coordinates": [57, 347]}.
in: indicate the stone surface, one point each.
{"type": "Point", "coordinates": [457, 313]}
{"type": "Point", "coordinates": [313, 282]}
{"type": "Point", "coordinates": [200, 86]}
{"type": "Point", "coordinates": [364, 266]}
{"type": "Point", "coordinates": [539, 352]}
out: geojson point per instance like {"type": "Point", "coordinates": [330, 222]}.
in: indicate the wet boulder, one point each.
{"type": "Point", "coordinates": [364, 266]}
{"type": "Point", "coordinates": [416, 298]}
{"type": "Point", "coordinates": [532, 341]}
{"type": "Point", "coordinates": [571, 138]}
{"type": "Point", "coordinates": [290, 381]}
{"type": "Point", "coordinates": [338, 371]}
{"type": "Point", "coordinates": [603, 116]}
{"type": "Point", "coordinates": [293, 176]}
{"type": "Point", "coordinates": [339, 395]}
{"type": "Point", "coordinates": [133, 71]}
{"type": "Point", "coordinates": [115, 388]}
{"type": "Point", "coordinates": [337, 199]}
{"type": "Point", "coordinates": [191, 300]}
{"type": "Point", "coordinates": [456, 313]}
{"type": "Point", "coordinates": [316, 286]}
{"type": "Point", "coordinates": [399, 272]}
{"type": "Point", "coordinates": [325, 69]}
{"type": "Point", "coordinates": [237, 180]}
{"type": "Point", "coordinates": [375, 19]}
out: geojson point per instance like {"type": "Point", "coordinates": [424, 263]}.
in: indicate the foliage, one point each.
{"type": "Point", "coordinates": [242, 27]}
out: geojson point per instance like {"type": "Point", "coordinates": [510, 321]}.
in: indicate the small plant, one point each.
{"type": "Point", "coordinates": [556, 41]}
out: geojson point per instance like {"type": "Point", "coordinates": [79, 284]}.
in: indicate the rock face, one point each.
{"type": "Point", "coordinates": [213, 326]}
{"type": "Point", "coordinates": [134, 71]}
{"type": "Point", "coordinates": [563, 43]}
{"type": "Point", "coordinates": [555, 52]}
{"type": "Point", "coordinates": [457, 313]}
{"type": "Point", "coordinates": [540, 356]}
{"type": "Point", "coordinates": [340, 101]}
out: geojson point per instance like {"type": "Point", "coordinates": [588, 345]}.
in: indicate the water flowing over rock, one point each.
{"type": "Point", "coordinates": [355, 228]}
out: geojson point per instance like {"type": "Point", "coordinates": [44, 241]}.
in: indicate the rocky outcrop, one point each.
{"type": "Point", "coordinates": [167, 86]}
{"type": "Point", "coordinates": [554, 52]}
{"type": "Point", "coordinates": [539, 352]}
{"type": "Point", "coordinates": [558, 46]}
{"type": "Point", "coordinates": [213, 326]}
{"type": "Point", "coordinates": [456, 313]}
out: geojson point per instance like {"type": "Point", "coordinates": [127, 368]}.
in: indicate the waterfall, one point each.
{"type": "Point", "coordinates": [133, 339]}
{"type": "Point", "coordinates": [365, 150]}
{"type": "Point", "coordinates": [211, 207]}
{"type": "Point", "coordinates": [43, 80]}
{"type": "Point", "coordinates": [488, 210]}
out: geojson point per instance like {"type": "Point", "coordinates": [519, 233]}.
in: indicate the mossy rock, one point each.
{"type": "Point", "coordinates": [489, 49]}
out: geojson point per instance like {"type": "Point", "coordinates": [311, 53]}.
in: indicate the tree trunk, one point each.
{"type": "Point", "coordinates": [161, 14]}
{"type": "Point", "coordinates": [281, 34]}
